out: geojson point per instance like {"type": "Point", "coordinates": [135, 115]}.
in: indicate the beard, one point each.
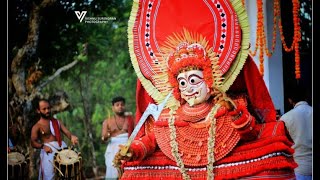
{"type": "Point", "coordinates": [45, 116]}
{"type": "Point", "coordinates": [120, 113]}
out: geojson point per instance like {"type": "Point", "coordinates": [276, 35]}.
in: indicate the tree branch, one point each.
{"type": "Point", "coordinates": [28, 49]}
{"type": "Point", "coordinates": [56, 74]}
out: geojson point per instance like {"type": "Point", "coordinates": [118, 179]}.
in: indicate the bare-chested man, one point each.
{"type": "Point", "coordinates": [46, 135]}
{"type": "Point", "coordinates": [115, 131]}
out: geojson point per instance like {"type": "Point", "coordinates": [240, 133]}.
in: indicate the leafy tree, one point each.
{"type": "Point", "coordinates": [79, 66]}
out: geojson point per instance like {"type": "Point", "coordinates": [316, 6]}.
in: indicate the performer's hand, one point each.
{"type": "Point", "coordinates": [128, 155]}
{"type": "Point", "coordinates": [227, 102]}
{"type": "Point", "coordinates": [47, 149]}
{"type": "Point", "coordinates": [119, 158]}
{"type": "Point", "coordinates": [106, 138]}
{"type": "Point", "coordinates": [74, 140]}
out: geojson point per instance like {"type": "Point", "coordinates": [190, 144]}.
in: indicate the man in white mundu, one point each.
{"type": "Point", "coordinates": [46, 135]}
{"type": "Point", "coordinates": [115, 131]}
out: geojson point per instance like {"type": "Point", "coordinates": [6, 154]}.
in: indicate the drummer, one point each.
{"type": "Point", "coordinates": [46, 135]}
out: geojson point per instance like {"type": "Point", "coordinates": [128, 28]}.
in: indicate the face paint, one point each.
{"type": "Point", "coordinates": [192, 87]}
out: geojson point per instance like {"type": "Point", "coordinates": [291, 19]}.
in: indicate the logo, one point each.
{"type": "Point", "coordinates": [80, 15]}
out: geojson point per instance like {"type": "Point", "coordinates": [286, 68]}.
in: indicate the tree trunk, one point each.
{"type": "Point", "coordinates": [22, 91]}
{"type": "Point", "coordinates": [88, 127]}
{"type": "Point", "coordinates": [19, 102]}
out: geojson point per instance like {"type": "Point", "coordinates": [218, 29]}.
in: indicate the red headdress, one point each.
{"type": "Point", "coordinates": [186, 52]}
{"type": "Point", "coordinates": [166, 36]}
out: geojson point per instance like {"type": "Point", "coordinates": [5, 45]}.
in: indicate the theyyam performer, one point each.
{"type": "Point", "coordinates": [220, 122]}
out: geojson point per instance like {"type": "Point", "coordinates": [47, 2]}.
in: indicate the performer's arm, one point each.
{"type": "Point", "coordinates": [105, 132]}
{"type": "Point", "coordinates": [73, 138]}
{"type": "Point", "coordinates": [35, 137]}
{"type": "Point", "coordinates": [244, 123]}
{"type": "Point", "coordinates": [143, 146]}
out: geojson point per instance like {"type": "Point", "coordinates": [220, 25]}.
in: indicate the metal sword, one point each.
{"type": "Point", "coordinates": [151, 109]}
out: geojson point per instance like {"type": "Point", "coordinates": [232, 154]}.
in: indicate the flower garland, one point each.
{"type": "Point", "coordinates": [211, 143]}
{"type": "Point", "coordinates": [296, 36]}
{"type": "Point", "coordinates": [261, 37]}
{"type": "Point", "coordinates": [174, 148]}
{"type": "Point", "coordinates": [261, 43]}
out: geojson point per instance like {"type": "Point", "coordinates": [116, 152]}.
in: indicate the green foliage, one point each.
{"type": "Point", "coordinates": [105, 72]}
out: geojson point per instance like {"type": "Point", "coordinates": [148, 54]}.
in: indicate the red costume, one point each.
{"type": "Point", "coordinates": [204, 140]}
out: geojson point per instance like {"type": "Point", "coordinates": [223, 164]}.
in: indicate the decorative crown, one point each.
{"type": "Point", "coordinates": [185, 51]}
{"type": "Point", "coordinates": [190, 51]}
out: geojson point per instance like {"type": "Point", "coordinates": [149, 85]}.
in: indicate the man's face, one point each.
{"type": "Point", "coordinates": [119, 108]}
{"type": "Point", "coordinates": [193, 87]}
{"type": "Point", "coordinates": [44, 109]}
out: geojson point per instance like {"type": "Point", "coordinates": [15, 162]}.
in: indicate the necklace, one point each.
{"type": "Point", "coordinates": [211, 144]}
{"type": "Point", "coordinates": [115, 119]}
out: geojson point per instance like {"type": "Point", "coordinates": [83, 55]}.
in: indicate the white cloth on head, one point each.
{"type": "Point", "coordinates": [46, 171]}
{"type": "Point", "coordinates": [112, 149]}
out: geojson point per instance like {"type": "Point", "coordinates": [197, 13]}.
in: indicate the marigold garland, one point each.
{"type": "Point", "coordinates": [261, 37]}
{"type": "Point", "coordinates": [296, 36]}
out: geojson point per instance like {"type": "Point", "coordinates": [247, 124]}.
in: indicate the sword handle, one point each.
{"type": "Point", "coordinates": [145, 115]}
{"type": "Point", "coordinates": [124, 150]}
{"type": "Point", "coordinates": [153, 110]}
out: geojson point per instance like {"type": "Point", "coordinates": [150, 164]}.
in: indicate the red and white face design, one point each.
{"type": "Point", "coordinates": [192, 87]}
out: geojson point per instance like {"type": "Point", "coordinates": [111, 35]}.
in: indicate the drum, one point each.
{"type": "Point", "coordinates": [17, 166]}
{"type": "Point", "coordinates": [68, 164]}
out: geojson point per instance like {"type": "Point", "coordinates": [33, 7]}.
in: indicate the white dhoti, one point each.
{"type": "Point", "coordinates": [112, 149]}
{"type": "Point", "coordinates": [46, 171]}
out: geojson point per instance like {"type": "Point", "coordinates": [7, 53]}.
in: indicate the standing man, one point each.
{"type": "Point", "coordinates": [115, 131]}
{"type": "Point", "coordinates": [299, 124]}
{"type": "Point", "coordinates": [46, 135]}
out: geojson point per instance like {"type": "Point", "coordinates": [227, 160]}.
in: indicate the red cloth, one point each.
{"type": "Point", "coordinates": [56, 128]}
{"type": "Point", "coordinates": [142, 101]}
{"type": "Point", "coordinates": [271, 141]}
{"type": "Point", "coordinates": [251, 81]}
{"type": "Point", "coordinates": [130, 124]}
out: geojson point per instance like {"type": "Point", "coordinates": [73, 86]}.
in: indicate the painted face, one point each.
{"type": "Point", "coordinates": [193, 88]}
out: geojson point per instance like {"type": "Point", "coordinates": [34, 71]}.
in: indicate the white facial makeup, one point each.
{"type": "Point", "coordinates": [193, 88]}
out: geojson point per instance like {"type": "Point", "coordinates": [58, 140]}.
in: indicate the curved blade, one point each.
{"type": "Point", "coordinates": [152, 109]}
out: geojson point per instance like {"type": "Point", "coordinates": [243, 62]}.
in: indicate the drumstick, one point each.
{"type": "Point", "coordinates": [56, 168]}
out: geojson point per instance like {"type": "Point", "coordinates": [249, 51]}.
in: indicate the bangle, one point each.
{"type": "Point", "coordinates": [41, 146]}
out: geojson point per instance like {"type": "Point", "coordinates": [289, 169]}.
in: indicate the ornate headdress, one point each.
{"type": "Point", "coordinates": [167, 37]}
{"type": "Point", "coordinates": [187, 51]}
{"type": "Point", "coordinates": [160, 31]}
